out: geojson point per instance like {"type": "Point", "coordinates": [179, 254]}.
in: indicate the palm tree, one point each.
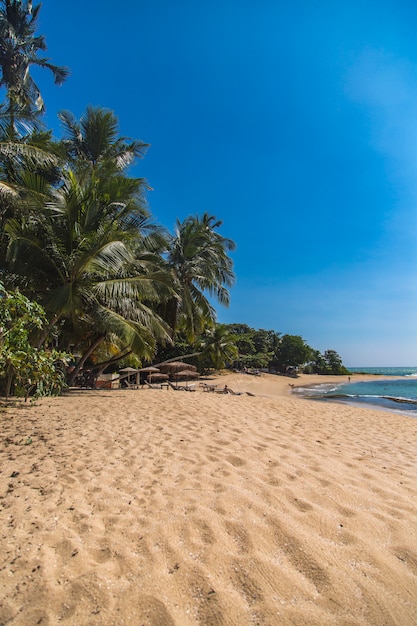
{"type": "Point", "coordinates": [93, 143]}
{"type": "Point", "coordinates": [218, 346]}
{"type": "Point", "coordinates": [28, 157]}
{"type": "Point", "coordinates": [19, 50]}
{"type": "Point", "coordinates": [198, 258]}
{"type": "Point", "coordinates": [81, 253]}
{"type": "Point", "coordinates": [28, 166]}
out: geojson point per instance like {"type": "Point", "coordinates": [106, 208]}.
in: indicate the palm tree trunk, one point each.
{"type": "Point", "coordinates": [9, 381]}
{"type": "Point", "coordinates": [101, 367]}
{"type": "Point", "coordinates": [46, 331]}
{"type": "Point", "coordinates": [83, 359]}
{"type": "Point", "coordinates": [10, 376]}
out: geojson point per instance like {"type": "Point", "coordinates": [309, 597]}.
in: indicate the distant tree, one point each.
{"type": "Point", "coordinates": [292, 351]}
{"type": "Point", "coordinates": [334, 363]}
{"type": "Point", "coordinates": [256, 347]}
{"type": "Point", "coordinates": [257, 360]}
{"type": "Point", "coordinates": [240, 329]}
{"type": "Point", "coordinates": [328, 363]}
{"type": "Point", "coordinates": [317, 363]}
{"type": "Point", "coordinates": [198, 258]}
{"type": "Point", "coordinates": [261, 340]}
{"type": "Point", "coordinates": [218, 347]}
{"type": "Point", "coordinates": [245, 345]}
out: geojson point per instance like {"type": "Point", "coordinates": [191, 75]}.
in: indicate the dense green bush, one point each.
{"type": "Point", "coordinates": [24, 369]}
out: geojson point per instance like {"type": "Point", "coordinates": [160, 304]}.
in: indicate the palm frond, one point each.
{"type": "Point", "coordinates": [33, 155]}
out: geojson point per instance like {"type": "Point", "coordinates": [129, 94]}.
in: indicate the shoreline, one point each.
{"type": "Point", "coordinates": [377, 402]}
{"type": "Point", "coordinates": [279, 385]}
{"type": "Point", "coordinates": [170, 508]}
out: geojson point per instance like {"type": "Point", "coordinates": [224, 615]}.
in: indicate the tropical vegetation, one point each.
{"type": "Point", "coordinates": [80, 249]}
{"type": "Point", "coordinates": [283, 354]}
{"type": "Point", "coordinates": [25, 369]}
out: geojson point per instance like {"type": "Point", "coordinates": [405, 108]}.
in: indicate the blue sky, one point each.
{"type": "Point", "coordinates": [294, 123]}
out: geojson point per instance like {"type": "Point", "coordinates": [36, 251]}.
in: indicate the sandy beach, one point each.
{"type": "Point", "coordinates": [154, 507]}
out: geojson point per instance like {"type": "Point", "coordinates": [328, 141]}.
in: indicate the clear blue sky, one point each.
{"type": "Point", "coordinates": [293, 122]}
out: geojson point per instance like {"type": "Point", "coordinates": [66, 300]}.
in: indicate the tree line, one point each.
{"type": "Point", "coordinates": [85, 271]}
{"type": "Point", "coordinates": [239, 346]}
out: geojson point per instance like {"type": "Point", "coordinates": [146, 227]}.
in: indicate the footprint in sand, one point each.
{"type": "Point", "coordinates": [236, 461]}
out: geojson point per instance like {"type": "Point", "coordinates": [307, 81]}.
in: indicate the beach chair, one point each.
{"type": "Point", "coordinates": [188, 387]}
{"type": "Point", "coordinates": [153, 386]}
{"type": "Point", "coordinates": [234, 393]}
{"type": "Point", "coordinates": [175, 387]}
{"type": "Point", "coordinates": [225, 389]}
{"type": "Point", "coordinates": [130, 385]}
{"type": "Point", "coordinates": [207, 387]}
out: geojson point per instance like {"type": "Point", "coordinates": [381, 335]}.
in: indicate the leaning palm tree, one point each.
{"type": "Point", "coordinates": [198, 257]}
{"type": "Point", "coordinates": [19, 50]}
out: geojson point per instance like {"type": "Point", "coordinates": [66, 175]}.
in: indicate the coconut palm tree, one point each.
{"type": "Point", "coordinates": [19, 50]}
{"type": "Point", "coordinates": [218, 346]}
{"type": "Point", "coordinates": [28, 166]}
{"type": "Point", "coordinates": [80, 253]}
{"type": "Point", "coordinates": [94, 143]}
{"type": "Point", "coordinates": [28, 159]}
{"type": "Point", "coordinates": [198, 258]}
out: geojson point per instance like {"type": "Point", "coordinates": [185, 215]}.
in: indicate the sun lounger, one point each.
{"type": "Point", "coordinates": [188, 387]}
{"type": "Point", "coordinates": [175, 387]}
{"type": "Point", "coordinates": [154, 385]}
{"type": "Point", "coordinates": [181, 387]}
{"type": "Point", "coordinates": [207, 387]}
{"type": "Point", "coordinates": [129, 385]}
{"type": "Point", "coordinates": [234, 393]}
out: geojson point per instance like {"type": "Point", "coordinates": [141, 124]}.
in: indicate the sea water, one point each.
{"type": "Point", "coordinates": [391, 392]}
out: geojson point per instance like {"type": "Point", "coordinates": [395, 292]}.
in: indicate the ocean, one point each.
{"type": "Point", "coordinates": [391, 393]}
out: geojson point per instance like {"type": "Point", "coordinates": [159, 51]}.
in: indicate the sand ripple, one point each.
{"type": "Point", "coordinates": [160, 508]}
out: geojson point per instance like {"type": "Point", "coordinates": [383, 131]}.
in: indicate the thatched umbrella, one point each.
{"type": "Point", "coordinates": [128, 371]}
{"type": "Point", "coordinates": [144, 371]}
{"type": "Point", "coordinates": [187, 375]}
{"type": "Point", "coordinates": [176, 366]}
{"type": "Point", "coordinates": [158, 376]}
